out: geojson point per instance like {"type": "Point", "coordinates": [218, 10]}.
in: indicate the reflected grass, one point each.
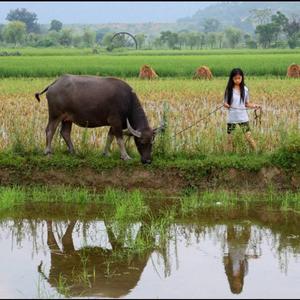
{"type": "Point", "coordinates": [129, 213]}
{"type": "Point", "coordinates": [133, 206]}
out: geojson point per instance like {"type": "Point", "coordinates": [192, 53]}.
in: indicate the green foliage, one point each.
{"type": "Point", "coordinates": [288, 155]}
{"type": "Point", "coordinates": [128, 206]}
{"type": "Point", "coordinates": [25, 16]}
{"type": "Point", "coordinates": [15, 32]}
{"type": "Point", "coordinates": [234, 36]}
{"type": "Point", "coordinates": [55, 25]}
{"type": "Point", "coordinates": [163, 139]}
{"type": "Point", "coordinates": [10, 197]}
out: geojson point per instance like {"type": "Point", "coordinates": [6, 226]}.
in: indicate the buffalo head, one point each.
{"type": "Point", "coordinates": [144, 140]}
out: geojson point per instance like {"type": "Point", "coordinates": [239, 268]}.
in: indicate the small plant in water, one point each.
{"type": "Point", "coordinates": [62, 286]}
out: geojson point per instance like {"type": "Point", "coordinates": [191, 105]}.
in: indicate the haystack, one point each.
{"type": "Point", "coordinates": [146, 72]}
{"type": "Point", "coordinates": [203, 72]}
{"type": "Point", "coordinates": [293, 71]}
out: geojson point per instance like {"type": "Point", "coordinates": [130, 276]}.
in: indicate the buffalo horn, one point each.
{"type": "Point", "coordinates": [133, 131]}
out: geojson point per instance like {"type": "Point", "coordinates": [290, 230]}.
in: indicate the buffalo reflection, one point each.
{"type": "Point", "coordinates": [112, 272]}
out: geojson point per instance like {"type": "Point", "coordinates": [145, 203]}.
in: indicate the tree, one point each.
{"type": "Point", "coordinates": [292, 29]}
{"type": "Point", "coordinates": [267, 34]}
{"type": "Point", "coordinates": [170, 38]}
{"type": "Point", "coordinates": [15, 32]}
{"type": "Point", "coordinates": [249, 42]}
{"type": "Point", "coordinates": [77, 40]}
{"type": "Point", "coordinates": [32, 39]}
{"type": "Point", "coordinates": [106, 41]}
{"type": "Point", "coordinates": [55, 25]}
{"type": "Point", "coordinates": [140, 38]}
{"type": "Point", "coordinates": [1, 32]}
{"type": "Point", "coordinates": [182, 38]}
{"type": "Point", "coordinates": [192, 39]}
{"type": "Point", "coordinates": [100, 33]}
{"type": "Point", "coordinates": [211, 25]}
{"type": "Point", "coordinates": [260, 16]}
{"type": "Point", "coordinates": [23, 15]}
{"type": "Point", "coordinates": [219, 38]}
{"type": "Point", "coordinates": [54, 37]}
{"type": "Point", "coordinates": [202, 39]}
{"type": "Point", "coordinates": [233, 36]}
{"type": "Point", "coordinates": [211, 39]}
{"type": "Point", "coordinates": [157, 43]}
{"type": "Point", "coordinates": [280, 20]}
{"type": "Point", "coordinates": [65, 38]}
{"type": "Point", "coordinates": [88, 37]}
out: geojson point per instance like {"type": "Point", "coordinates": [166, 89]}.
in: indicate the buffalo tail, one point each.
{"type": "Point", "coordinates": [37, 95]}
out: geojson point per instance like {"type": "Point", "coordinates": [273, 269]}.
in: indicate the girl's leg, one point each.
{"type": "Point", "coordinates": [230, 128]}
{"type": "Point", "coordinates": [229, 143]}
{"type": "Point", "coordinates": [250, 140]}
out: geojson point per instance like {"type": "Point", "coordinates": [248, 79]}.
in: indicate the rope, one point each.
{"type": "Point", "coordinates": [219, 107]}
{"type": "Point", "coordinates": [257, 117]}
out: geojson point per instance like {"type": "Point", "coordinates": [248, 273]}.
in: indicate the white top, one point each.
{"type": "Point", "coordinates": [238, 112]}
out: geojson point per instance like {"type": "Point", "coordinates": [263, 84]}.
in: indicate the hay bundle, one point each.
{"type": "Point", "coordinates": [293, 71]}
{"type": "Point", "coordinates": [146, 72]}
{"type": "Point", "coordinates": [203, 72]}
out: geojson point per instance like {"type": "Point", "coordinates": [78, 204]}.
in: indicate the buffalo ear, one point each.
{"type": "Point", "coordinates": [160, 129]}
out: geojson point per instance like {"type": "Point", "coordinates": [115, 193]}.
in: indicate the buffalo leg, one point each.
{"type": "Point", "coordinates": [67, 240]}
{"type": "Point", "coordinates": [109, 140]}
{"type": "Point", "coordinates": [50, 130]}
{"type": "Point", "coordinates": [51, 241]}
{"type": "Point", "coordinates": [121, 144]}
{"type": "Point", "coordinates": [65, 132]}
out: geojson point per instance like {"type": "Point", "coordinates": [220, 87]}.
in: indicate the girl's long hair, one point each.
{"type": "Point", "coordinates": [230, 85]}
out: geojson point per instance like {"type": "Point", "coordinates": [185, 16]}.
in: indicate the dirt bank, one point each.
{"type": "Point", "coordinates": [168, 181]}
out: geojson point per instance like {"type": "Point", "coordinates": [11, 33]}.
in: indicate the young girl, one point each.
{"type": "Point", "coordinates": [236, 99]}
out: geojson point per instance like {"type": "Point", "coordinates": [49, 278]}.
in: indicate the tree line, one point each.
{"type": "Point", "coordinates": [271, 31]}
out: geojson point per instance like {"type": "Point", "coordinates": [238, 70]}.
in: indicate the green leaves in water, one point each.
{"type": "Point", "coordinates": [126, 205]}
{"type": "Point", "coordinates": [11, 197]}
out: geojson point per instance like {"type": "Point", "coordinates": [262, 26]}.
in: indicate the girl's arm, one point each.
{"type": "Point", "coordinates": [248, 104]}
{"type": "Point", "coordinates": [252, 105]}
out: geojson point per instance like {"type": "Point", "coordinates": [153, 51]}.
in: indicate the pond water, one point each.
{"type": "Point", "coordinates": [253, 254]}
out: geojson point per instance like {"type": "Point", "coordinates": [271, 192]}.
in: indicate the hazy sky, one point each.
{"type": "Point", "coordinates": [106, 11]}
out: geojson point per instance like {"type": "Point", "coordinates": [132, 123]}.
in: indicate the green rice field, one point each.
{"type": "Point", "coordinates": [54, 62]}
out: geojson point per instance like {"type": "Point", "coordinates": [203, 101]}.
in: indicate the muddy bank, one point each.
{"type": "Point", "coordinates": [168, 180]}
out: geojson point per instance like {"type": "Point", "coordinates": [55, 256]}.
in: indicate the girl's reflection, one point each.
{"type": "Point", "coordinates": [236, 260]}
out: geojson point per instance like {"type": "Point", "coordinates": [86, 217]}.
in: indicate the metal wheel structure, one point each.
{"type": "Point", "coordinates": [123, 39]}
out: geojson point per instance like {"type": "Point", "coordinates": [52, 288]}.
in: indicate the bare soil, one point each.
{"type": "Point", "coordinates": [169, 181]}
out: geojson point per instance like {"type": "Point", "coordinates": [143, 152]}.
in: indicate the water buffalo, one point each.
{"type": "Point", "coordinates": [93, 101]}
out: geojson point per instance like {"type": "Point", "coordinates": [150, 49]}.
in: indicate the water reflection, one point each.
{"type": "Point", "coordinates": [236, 259]}
{"type": "Point", "coordinates": [100, 258]}
{"type": "Point", "coordinates": [107, 271]}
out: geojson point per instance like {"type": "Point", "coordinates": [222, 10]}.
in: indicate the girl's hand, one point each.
{"type": "Point", "coordinates": [226, 105]}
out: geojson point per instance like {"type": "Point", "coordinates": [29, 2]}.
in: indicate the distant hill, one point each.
{"type": "Point", "coordinates": [227, 13]}
{"type": "Point", "coordinates": [149, 28]}
{"type": "Point", "coordinates": [236, 14]}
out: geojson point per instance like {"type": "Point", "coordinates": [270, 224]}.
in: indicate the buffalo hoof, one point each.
{"type": "Point", "coordinates": [146, 161]}
{"type": "Point", "coordinates": [125, 157]}
{"type": "Point", "coordinates": [106, 154]}
{"type": "Point", "coordinates": [47, 152]}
